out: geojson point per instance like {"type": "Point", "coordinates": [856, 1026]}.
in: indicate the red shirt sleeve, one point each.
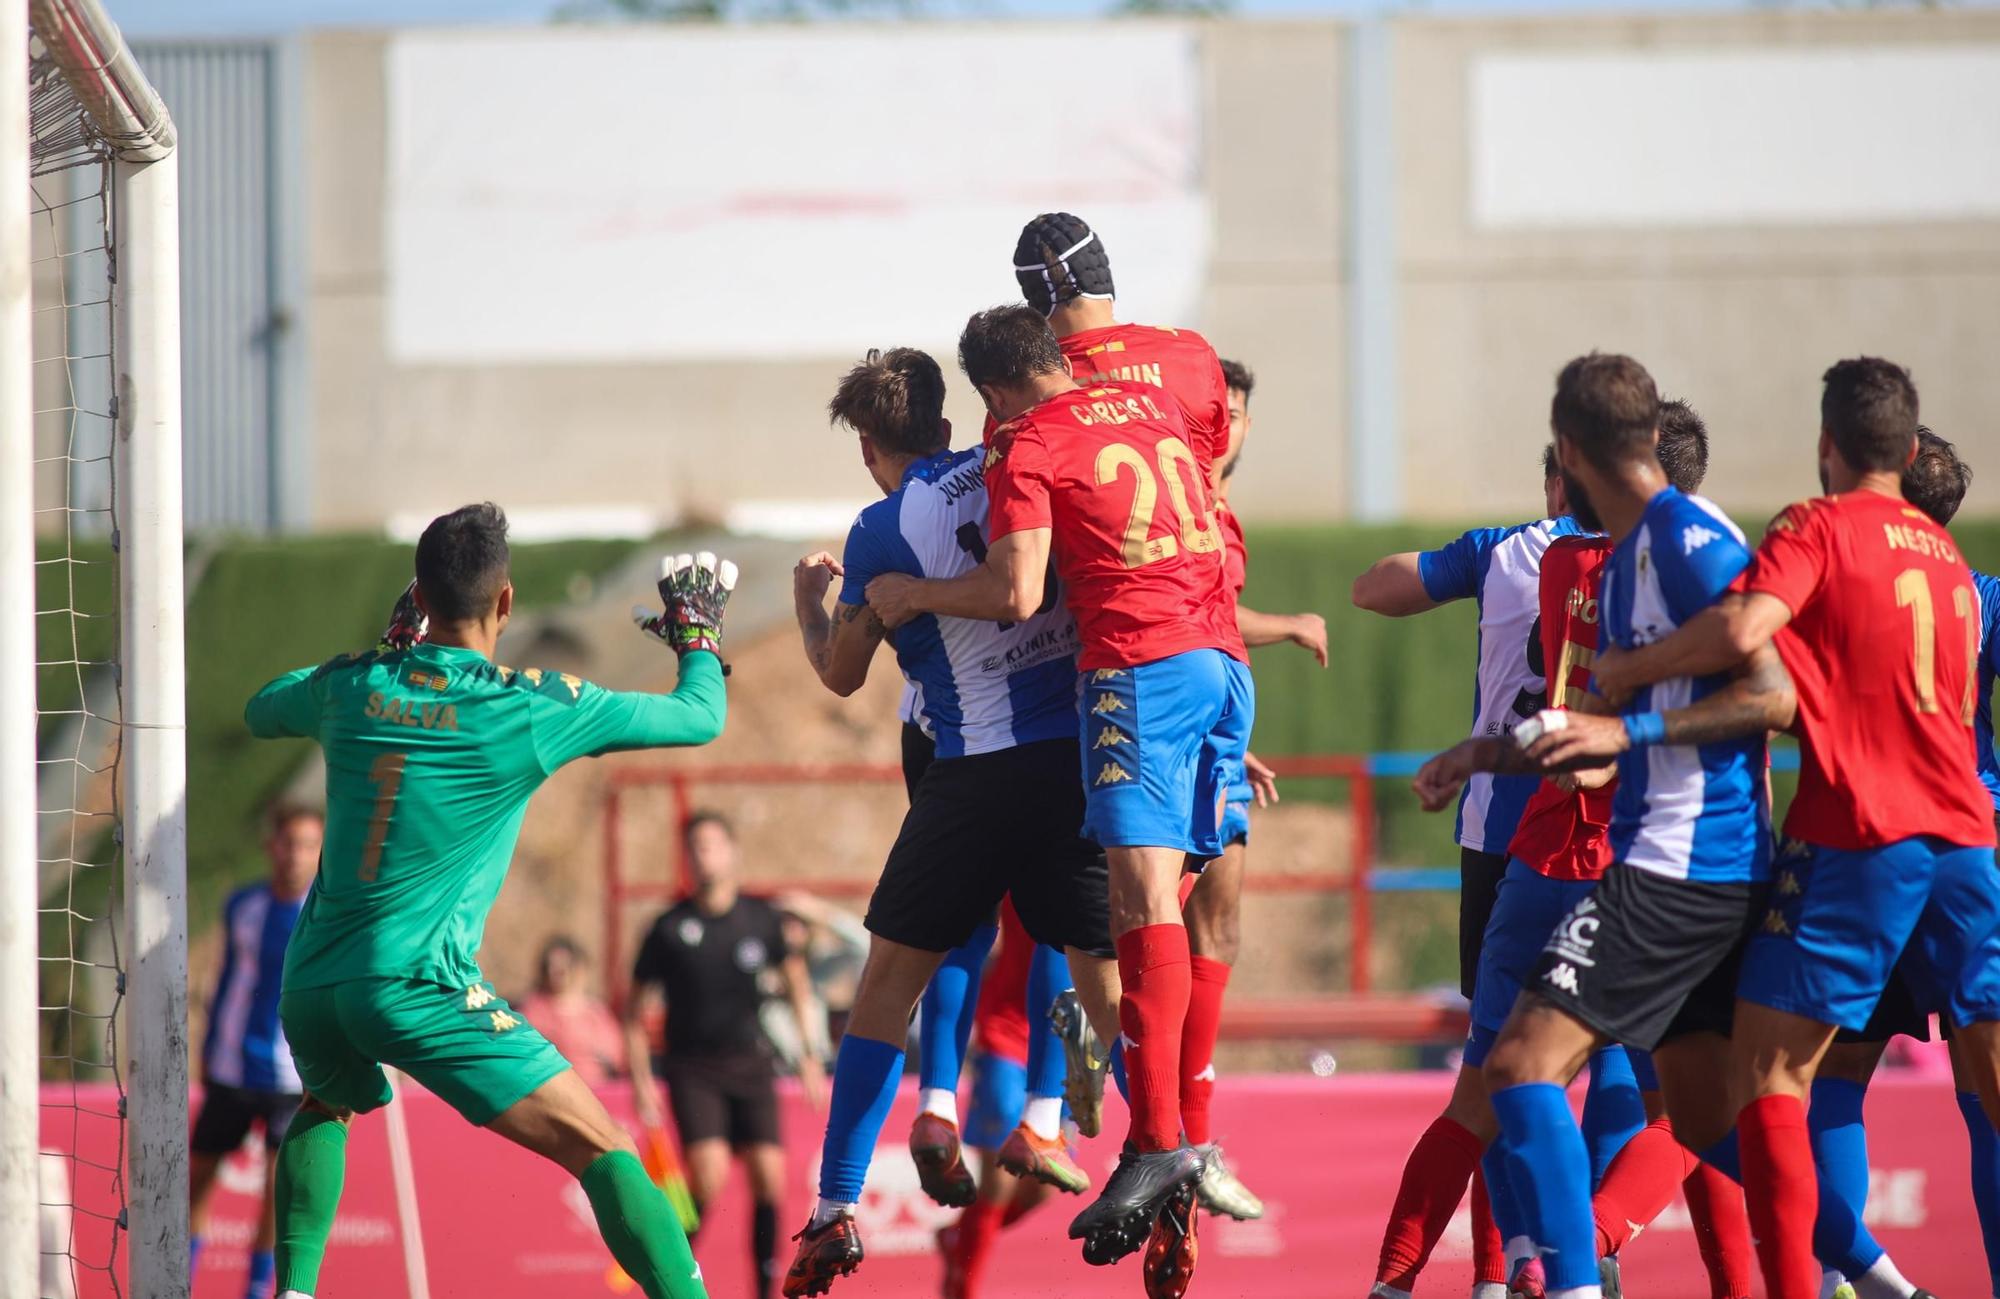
{"type": "Point", "coordinates": [1218, 416]}
{"type": "Point", "coordinates": [1018, 479]}
{"type": "Point", "coordinates": [1792, 560]}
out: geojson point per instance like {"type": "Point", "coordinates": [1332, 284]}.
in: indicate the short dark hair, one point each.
{"type": "Point", "coordinates": [1237, 377]}
{"type": "Point", "coordinates": [895, 398]}
{"type": "Point", "coordinates": [1007, 346]}
{"type": "Point", "coordinates": [462, 562]}
{"type": "Point", "coordinates": [1607, 405]}
{"type": "Point", "coordinates": [1936, 480]}
{"type": "Point", "coordinates": [706, 816]}
{"type": "Point", "coordinates": [1869, 409]}
{"type": "Point", "coordinates": [1683, 445]}
{"type": "Point", "coordinates": [1550, 466]}
{"type": "Point", "coordinates": [281, 814]}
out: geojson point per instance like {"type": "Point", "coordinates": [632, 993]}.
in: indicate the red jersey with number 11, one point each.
{"type": "Point", "coordinates": [1135, 538]}
{"type": "Point", "coordinates": [1883, 647]}
{"type": "Point", "coordinates": [1563, 835]}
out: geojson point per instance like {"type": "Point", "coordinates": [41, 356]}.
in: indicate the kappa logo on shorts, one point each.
{"type": "Point", "coordinates": [477, 996]}
{"type": "Point", "coordinates": [1107, 703]}
{"type": "Point", "coordinates": [1111, 774]}
{"type": "Point", "coordinates": [1562, 976]}
{"type": "Point", "coordinates": [502, 1021]}
{"type": "Point", "coordinates": [1108, 737]}
{"type": "Point", "coordinates": [1574, 937]}
{"type": "Point", "coordinates": [1776, 925]}
{"type": "Point", "coordinates": [1788, 885]}
{"type": "Point", "coordinates": [1109, 674]}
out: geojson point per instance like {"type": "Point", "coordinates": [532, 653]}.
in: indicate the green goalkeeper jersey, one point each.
{"type": "Point", "coordinates": [431, 756]}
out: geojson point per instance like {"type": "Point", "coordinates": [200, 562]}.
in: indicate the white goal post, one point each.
{"type": "Point", "coordinates": [122, 120]}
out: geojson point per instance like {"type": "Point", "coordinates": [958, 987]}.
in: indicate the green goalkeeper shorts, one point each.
{"type": "Point", "coordinates": [465, 1044]}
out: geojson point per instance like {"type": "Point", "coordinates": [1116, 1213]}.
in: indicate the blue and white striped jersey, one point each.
{"type": "Point", "coordinates": [1989, 666]}
{"type": "Point", "coordinates": [1501, 569]}
{"type": "Point", "coordinates": [980, 686]}
{"type": "Point", "coordinates": [245, 1046]}
{"type": "Point", "coordinates": [1695, 812]}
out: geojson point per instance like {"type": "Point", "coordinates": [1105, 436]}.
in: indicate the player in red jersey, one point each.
{"type": "Point", "coordinates": [1103, 480]}
{"type": "Point", "coordinates": [1876, 616]}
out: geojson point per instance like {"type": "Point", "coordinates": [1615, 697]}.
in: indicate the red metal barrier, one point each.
{"type": "Point", "coordinates": [621, 891]}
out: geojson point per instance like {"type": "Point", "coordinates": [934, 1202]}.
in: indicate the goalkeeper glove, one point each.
{"type": "Point", "coordinates": [695, 590]}
{"type": "Point", "coordinates": [408, 623]}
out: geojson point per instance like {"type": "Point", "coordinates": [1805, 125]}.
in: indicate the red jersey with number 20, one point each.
{"type": "Point", "coordinates": [1562, 835]}
{"type": "Point", "coordinates": [1883, 647]}
{"type": "Point", "coordinates": [1135, 538]}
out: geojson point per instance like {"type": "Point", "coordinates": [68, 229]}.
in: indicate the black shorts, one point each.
{"type": "Point", "coordinates": [731, 1098]}
{"type": "Point", "coordinates": [1646, 959]}
{"type": "Point", "coordinates": [919, 751]}
{"type": "Point", "coordinates": [982, 827]}
{"type": "Point", "coordinates": [1479, 875]}
{"type": "Point", "coordinates": [228, 1114]}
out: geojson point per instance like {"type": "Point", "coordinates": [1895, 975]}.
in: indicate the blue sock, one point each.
{"type": "Point", "coordinates": [1840, 1156]}
{"type": "Point", "coordinates": [1507, 1214]}
{"type": "Point", "coordinates": [194, 1254]}
{"type": "Point", "coordinates": [263, 1273]}
{"type": "Point", "coordinates": [1725, 1158]}
{"type": "Point", "coordinates": [949, 1003]}
{"type": "Point", "coordinates": [1118, 1070]}
{"type": "Point", "coordinates": [1549, 1169]}
{"type": "Point", "coordinates": [1985, 1178]}
{"type": "Point", "coordinates": [1613, 1111]}
{"type": "Point", "coordinates": [865, 1075]}
{"type": "Point", "coordinates": [1048, 977]}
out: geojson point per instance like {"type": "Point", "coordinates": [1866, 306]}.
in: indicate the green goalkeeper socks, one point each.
{"type": "Point", "coordinates": [641, 1228]}
{"type": "Point", "coordinates": [312, 1165]}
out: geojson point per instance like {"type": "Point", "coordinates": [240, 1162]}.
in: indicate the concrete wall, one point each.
{"type": "Point", "coordinates": [1740, 320]}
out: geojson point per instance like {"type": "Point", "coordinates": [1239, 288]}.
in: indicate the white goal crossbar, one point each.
{"type": "Point", "coordinates": [127, 123]}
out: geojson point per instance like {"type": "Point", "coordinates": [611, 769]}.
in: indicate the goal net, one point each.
{"type": "Point", "coordinates": [93, 1015]}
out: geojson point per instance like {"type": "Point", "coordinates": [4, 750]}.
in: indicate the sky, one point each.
{"type": "Point", "coordinates": [244, 17]}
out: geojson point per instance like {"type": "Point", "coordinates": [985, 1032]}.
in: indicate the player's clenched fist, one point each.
{"type": "Point", "coordinates": [695, 590]}
{"type": "Point", "coordinates": [813, 575]}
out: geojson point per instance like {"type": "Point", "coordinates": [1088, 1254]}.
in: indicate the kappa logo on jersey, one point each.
{"type": "Point", "coordinates": [1107, 703]}
{"type": "Point", "coordinates": [502, 1021]}
{"type": "Point", "coordinates": [1576, 935]}
{"type": "Point", "coordinates": [1695, 536]}
{"type": "Point", "coordinates": [476, 996]}
{"type": "Point", "coordinates": [1112, 774]}
{"type": "Point", "coordinates": [1109, 737]}
{"type": "Point", "coordinates": [1562, 976]}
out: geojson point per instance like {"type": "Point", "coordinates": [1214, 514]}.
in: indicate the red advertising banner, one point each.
{"type": "Point", "coordinates": [498, 1223]}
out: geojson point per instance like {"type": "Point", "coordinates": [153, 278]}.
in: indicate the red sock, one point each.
{"type": "Point", "coordinates": [1028, 1196]}
{"type": "Point", "coordinates": [1489, 1255]}
{"type": "Point", "coordinates": [1781, 1193]}
{"type": "Point", "coordinates": [1434, 1179]}
{"type": "Point", "coordinates": [1721, 1231]}
{"type": "Point", "coordinates": [1639, 1184]}
{"type": "Point", "coordinates": [977, 1228]}
{"type": "Point", "coordinates": [1153, 962]}
{"type": "Point", "coordinates": [1204, 1021]}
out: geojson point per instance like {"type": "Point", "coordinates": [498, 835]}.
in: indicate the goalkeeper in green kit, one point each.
{"type": "Point", "coordinates": [432, 752]}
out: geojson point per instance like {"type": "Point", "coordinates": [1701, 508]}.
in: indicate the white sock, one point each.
{"type": "Point", "coordinates": [1579, 1292]}
{"type": "Point", "coordinates": [938, 1101]}
{"type": "Point", "coordinates": [1383, 1290]}
{"type": "Point", "coordinates": [1518, 1251]}
{"type": "Point", "coordinates": [1882, 1281]}
{"type": "Point", "coordinates": [1489, 1290]}
{"type": "Point", "coordinates": [295, 1294]}
{"type": "Point", "coordinates": [1044, 1116]}
{"type": "Point", "coordinates": [827, 1210]}
{"type": "Point", "coordinates": [1830, 1280]}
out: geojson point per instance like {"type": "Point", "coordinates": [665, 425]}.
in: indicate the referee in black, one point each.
{"type": "Point", "coordinates": [709, 957]}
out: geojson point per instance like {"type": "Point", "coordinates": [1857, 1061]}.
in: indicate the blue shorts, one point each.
{"type": "Point", "coordinates": [1838, 921]}
{"type": "Point", "coordinates": [1157, 742]}
{"type": "Point", "coordinates": [1526, 910]}
{"type": "Point", "coordinates": [999, 1095]}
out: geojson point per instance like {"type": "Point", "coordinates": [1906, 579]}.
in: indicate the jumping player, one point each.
{"type": "Point", "coordinates": [1167, 698]}
{"type": "Point", "coordinates": [997, 811]}
{"type": "Point", "coordinates": [1647, 959]}
{"type": "Point", "coordinates": [1499, 570]}
{"type": "Point", "coordinates": [432, 753]}
{"type": "Point", "coordinates": [1894, 828]}
{"type": "Point", "coordinates": [1214, 907]}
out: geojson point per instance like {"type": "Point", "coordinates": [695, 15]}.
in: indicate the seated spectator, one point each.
{"type": "Point", "coordinates": [580, 1025]}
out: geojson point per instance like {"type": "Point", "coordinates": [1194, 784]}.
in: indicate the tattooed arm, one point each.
{"type": "Point", "coordinates": [1758, 698]}
{"type": "Point", "coordinates": [841, 647]}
